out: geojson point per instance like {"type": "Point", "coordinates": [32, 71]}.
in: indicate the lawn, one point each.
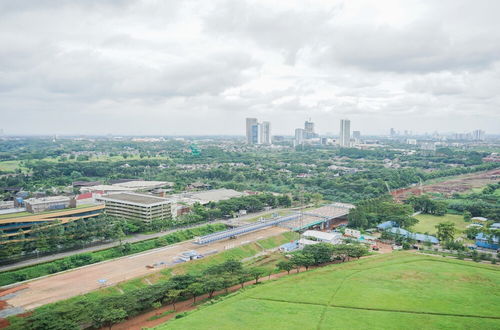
{"type": "Point", "coordinates": [427, 222]}
{"type": "Point", "coordinates": [9, 165]}
{"type": "Point", "coordinates": [392, 291]}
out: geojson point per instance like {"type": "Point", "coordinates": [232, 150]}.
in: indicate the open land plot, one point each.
{"type": "Point", "coordinates": [451, 185]}
{"type": "Point", "coordinates": [62, 286]}
{"type": "Point", "coordinates": [392, 291]}
{"type": "Point", "coordinates": [427, 222]}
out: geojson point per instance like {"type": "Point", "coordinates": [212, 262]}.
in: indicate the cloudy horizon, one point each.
{"type": "Point", "coordinates": [200, 68]}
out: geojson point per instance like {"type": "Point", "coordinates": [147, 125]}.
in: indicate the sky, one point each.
{"type": "Point", "coordinates": [201, 67]}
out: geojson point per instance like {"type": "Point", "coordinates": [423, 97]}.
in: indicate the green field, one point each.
{"type": "Point", "coordinates": [392, 291]}
{"type": "Point", "coordinates": [427, 222]}
{"type": "Point", "coordinates": [9, 165]}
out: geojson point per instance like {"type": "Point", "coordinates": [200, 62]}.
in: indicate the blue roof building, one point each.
{"type": "Point", "coordinates": [386, 225]}
{"type": "Point", "coordinates": [417, 237]}
{"type": "Point", "coordinates": [288, 247]}
{"type": "Point", "coordinates": [487, 241]}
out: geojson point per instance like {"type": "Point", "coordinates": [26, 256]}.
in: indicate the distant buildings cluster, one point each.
{"type": "Point", "coordinates": [260, 133]}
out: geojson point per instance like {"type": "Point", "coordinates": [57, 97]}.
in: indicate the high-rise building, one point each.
{"type": "Point", "coordinates": [309, 126]}
{"type": "Point", "coordinates": [478, 135]}
{"type": "Point", "coordinates": [393, 132]}
{"type": "Point", "coordinates": [265, 132]}
{"type": "Point", "coordinates": [345, 132]}
{"type": "Point", "coordinates": [250, 135]}
{"type": "Point", "coordinates": [356, 135]}
{"type": "Point", "coordinates": [309, 130]}
{"type": "Point", "coordinates": [258, 133]}
{"type": "Point", "coordinates": [299, 136]}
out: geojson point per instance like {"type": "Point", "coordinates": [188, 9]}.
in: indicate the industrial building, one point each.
{"type": "Point", "coordinates": [38, 205]}
{"type": "Point", "coordinates": [137, 206]}
{"type": "Point", "coordinates": [310, 237]}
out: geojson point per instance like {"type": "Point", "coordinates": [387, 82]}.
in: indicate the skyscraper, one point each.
{"type": "Point", "coordinates": [345, 132]}
{"type": "Point", "coordinates": [299, 136]}
{"type": "Point", "coordinates": [251, 134]}
{"type": "Point", "coordinates": [265, 132]}
{"type": "Point", "coordinates": [478, 135]}
{"type": "Point", "coordinates": [309, 130]}
{"type": "Point", "coordinates": [258, 133]}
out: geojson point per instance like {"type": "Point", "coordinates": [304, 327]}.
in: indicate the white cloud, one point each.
{"type": "Point", "coordinates": [195, 67]}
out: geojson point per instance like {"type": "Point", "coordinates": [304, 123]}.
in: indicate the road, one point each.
{"type": "Point", "coordinates": [85, 279]}
{"type": "Point", "coordinates": [132, 239]}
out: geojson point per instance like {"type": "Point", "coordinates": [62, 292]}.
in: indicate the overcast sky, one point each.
{"type": "Point", "coordinates": [201, 67]}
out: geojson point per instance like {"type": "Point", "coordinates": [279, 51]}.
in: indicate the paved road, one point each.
{"type": "Point", "coordinates": [133, 239]}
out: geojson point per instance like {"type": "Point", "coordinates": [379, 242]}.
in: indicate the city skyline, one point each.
{"type": "Point", "coordinates": [185, 68]}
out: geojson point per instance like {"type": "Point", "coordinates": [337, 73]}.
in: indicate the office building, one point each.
{"type": "Point", "coordinates": [356, 135]}
{"type": "Point", "coordinates": [392, 132]}
{"type": "Point", "coordinates": [250, 129]}
{"type": "Point", "coordinates": [137, 206]}
{"type": "Point", "coordinates": [299, 136]}
{"type": "Point", "coordinates": [478, 135]}
{"type": "Point", "coordinates": [309, 130]}
{"type": "Point", "coordinates": [258, 133]}
{"type": "Point", "coordinates": [345, 133]}
{"type": "Point", "coordinates": [265, 132]}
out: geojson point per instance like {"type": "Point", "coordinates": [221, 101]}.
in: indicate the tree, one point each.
{"type": "Point", "coordinates": [108, 316]}
{"type": "Point", "coordinates": [467, 216]}
{"type": "Point", "coordinates": [195, 289]}
{"type": "Point", "coordinates": [212, 284]}
{"type": "Point", "coordinates": [172, 296]}
{"type": "Point", "coordinates": [304, 260]}
{"type": "Point", "coordinates": [321, 253]}
{"type": "Point", "coordinates": [357, 251]}
{"type": "Point", "coordinates": [446, 231]}
{"type": "Point", "coordinates": [285, 265]}
{"type": "Point", "coordinates": [256, 273]}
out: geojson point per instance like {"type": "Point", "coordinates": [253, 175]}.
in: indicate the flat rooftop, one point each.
{"type": "Point", "coordinates": [216, 195]}
{"type": "Point", "coordinates": [135, 199]}
{"type": "Point", "coordinates": [139, 184]}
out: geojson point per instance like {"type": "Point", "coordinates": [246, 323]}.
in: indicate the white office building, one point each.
{"type": "Point", "coordinates": [345, 133]}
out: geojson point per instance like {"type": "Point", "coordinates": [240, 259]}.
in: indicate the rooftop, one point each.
{"type": "Point", "coordinates": [48, 199]}
{"type": "Point", "coordinates": [216, 195]}
{"type": "Point", "coordinates": [139, 184]}
{"type": "Point", "coordinates": [134, 199]}
{"type": "Point", "coordinates": [321, 235]}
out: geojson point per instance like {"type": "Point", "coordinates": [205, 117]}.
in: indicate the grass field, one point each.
{"type": "Point", "coordinates": [427, 222]}
{"type": "Point", "coordinates": [392, 291]}
{"type": "Point", "coordinates": [9, 165]}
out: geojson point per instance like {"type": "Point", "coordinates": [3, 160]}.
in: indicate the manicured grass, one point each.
{"type": "Point", "coordinates": [427, 222]}
{"type": "Point", "coordinates": [9, 165]}
{"type": "Point", "coordinates": [392, 291]}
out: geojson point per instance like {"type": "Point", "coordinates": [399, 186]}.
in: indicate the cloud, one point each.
{"type": "Point", "coordinates": [197, 67]}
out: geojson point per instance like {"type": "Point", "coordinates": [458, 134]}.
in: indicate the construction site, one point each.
{"type": "Point", "coordinates": [457, 184]}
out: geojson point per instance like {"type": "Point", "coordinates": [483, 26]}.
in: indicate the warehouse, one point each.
{"type": "Point", "coordinates": [136, 206]}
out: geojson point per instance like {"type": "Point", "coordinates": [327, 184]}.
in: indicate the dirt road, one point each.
{"type": "Point", "coordinates": [79, 281]}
